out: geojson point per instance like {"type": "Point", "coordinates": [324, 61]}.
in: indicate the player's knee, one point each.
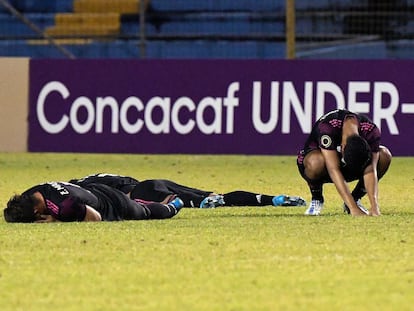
{"type": "Point", "coordinates": [314, 165]}
{"type": "Point", "coordinates": [384, 161]}
{"type": "Point", "coordinates": [385, 154]}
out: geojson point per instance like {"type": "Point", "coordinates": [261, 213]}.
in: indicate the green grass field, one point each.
{"type": "Point", "coordinates": [233, 258]}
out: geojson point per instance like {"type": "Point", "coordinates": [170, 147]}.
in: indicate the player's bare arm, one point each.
{"type": "Point", "coordinates": [92, 214]}
{"type": "Point", "coordinates": [371, 184]}
{"type": "Point", "coordinates": [333, 168]}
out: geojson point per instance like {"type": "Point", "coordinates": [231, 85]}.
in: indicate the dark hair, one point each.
{"type": "Point", "coordinates": [357, 154]}
{"type": "Point", "coordinates": [20, 209]}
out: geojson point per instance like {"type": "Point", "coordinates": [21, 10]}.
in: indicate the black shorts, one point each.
{"type": "Point", "coordinates": [158, 189]}
{"type": "Point", "coordinates": [348, 175]}
{"type": "Point", "coordinates": [114, 205]}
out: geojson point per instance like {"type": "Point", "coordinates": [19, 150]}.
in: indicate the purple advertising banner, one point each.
{"type": "Point", "coordinates": [210, 106]}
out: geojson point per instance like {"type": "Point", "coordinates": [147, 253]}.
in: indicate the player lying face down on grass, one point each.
{"type": "Point", "coordinates": [61, 201]}
{"type": "Point", "coordinates": [343, 147]}
{"type": "Point", "coordinates": [162, 190]}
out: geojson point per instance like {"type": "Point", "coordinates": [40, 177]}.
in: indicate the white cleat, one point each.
{"type": "Point", "coordinates": [315, 208]}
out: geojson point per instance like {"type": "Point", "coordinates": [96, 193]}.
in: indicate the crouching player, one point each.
{"type": "Point", "coordinates": [60, 201]}
{"type": "Point", "coordinates": [342, 147]}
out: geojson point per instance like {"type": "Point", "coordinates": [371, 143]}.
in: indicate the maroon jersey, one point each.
{"type": "Point", "coordinates": [122, 183]}
{"type": "Point", "coordinates": [65, 201]}
{"type": "Point", "coordinates": [327, 132]}
{"type": "Point", "coordinates": [149, 190]}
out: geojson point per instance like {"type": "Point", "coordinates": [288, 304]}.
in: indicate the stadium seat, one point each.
{"type": "Point", "coordinates": [366, 50]}
{"type": "Point", "coordinates": [130, 27]}
{"type": "Point", "coordinates": [186, 29]}
{"type": "Point", "coordinates": [20, 48]}
{"type": "Point", "coordinates": [214, 50]}
{"type": "Point", "coordinates": [11, 26]}
{"type": "Point", "coordinates": [231, 23]}
{"type": "Point", "coordinates": [85, 24]}
{"type": "Point", "coordinates": [330, 23]}
{"type": "Point", "coordinates": [41, 6]}
{"type": "Point", "coordinates": [214, 5]}
{"type": "Point", "coordinates": [93, 18]}
{"type": "Point", "coordinates": [326, 4]}
{"type": "Point", "coordinates": [99, 6]}
{"type": "Point", "coordinates": [400, 49]}
{"type": "Point", "coordinates": [64, 6]}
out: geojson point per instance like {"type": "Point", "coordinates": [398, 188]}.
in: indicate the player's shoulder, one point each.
{"type": "Point", "coordinates": [337, 114]}
{"type": "Point", "coordinates": [366, 125]}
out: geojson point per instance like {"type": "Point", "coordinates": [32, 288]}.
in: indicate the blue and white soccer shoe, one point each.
{"type": "Point", "coordinates": [212, 201]}
{"type": "Point", "coordinates": [315, 208]}
{"type": "Point", "coordinates": [285, 200]}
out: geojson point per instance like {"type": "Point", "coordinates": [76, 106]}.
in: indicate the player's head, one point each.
{"type": "Point", "coordinates": [20, 208]}
{"type": "Point", "coordinates": [356, 154]}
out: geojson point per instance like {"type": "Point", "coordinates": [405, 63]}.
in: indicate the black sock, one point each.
{"type": "Point", "coordinates": [161, 211]}
{"type": "Point", "coordinates": [316, 191]}
{"type": "Point", "coordinates": [244, 198]}
{"type": "Point", "coordinates": [359, 190]}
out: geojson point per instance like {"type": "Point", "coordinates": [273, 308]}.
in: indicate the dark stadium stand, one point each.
{"type": "Point", "coordinates": [40, 6]}
{"type": "Point", "coordinates": [207, 29]}
{"type": "Point", "coordinates": [232, 23]}
{"type": "Point", "coordinates": [11, 27]}
{"type": "Point", "coordinates": [214, 29]}
{"type": "Point", "coordinates": [213, 5]}
{"type": "Point", "coordinates": [174, 29]}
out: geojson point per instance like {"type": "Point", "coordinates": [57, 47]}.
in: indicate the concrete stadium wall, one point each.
{"type": "Point", "coordinates": [14, 90]}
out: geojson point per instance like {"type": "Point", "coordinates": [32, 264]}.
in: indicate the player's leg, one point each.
{"type": "Point", "coordinates": [384, 162]}
{"type": "Point", "coordinates": [193, 197]}
{"type": "Point", "coordinates": [150, 190]}
{"type": "Point", "coordinates": [359, 191]}
{"type": "Point", "coordinates": [163, 211]}
{"type": "Point", "coordinates": [137, 210]}
{"type": "Point", "coordinates": [313, 169]}
{"type": "Point", "coordinates": [159, 190]}
{"type": "Point", "coordinates": [245, 198]}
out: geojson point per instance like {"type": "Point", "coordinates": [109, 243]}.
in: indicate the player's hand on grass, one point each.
{"type": "Point", "coordinates": [357, 212]}
{"type": "Point", "coordinates": [375, 212]}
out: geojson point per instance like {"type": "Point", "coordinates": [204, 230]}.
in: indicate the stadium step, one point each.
{"type": "Point", "coordinates": [116, 6]}
{"type": "Point", "coordinates": [85, 24]}
{"type": "Point", "coordinates": [82, 30]}
{"type": "Point", "coordinates": [86, 18]}
{"type": "Point", "coordinates": [93, 18]}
